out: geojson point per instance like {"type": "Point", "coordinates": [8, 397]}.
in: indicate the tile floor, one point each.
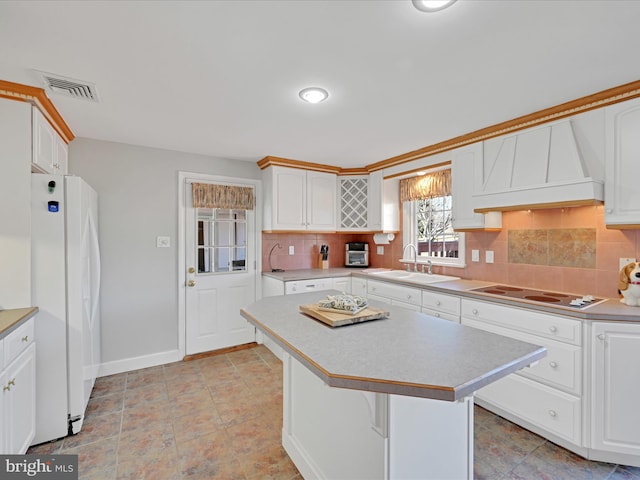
{"type": "Point", "coordinates": [220, 418]}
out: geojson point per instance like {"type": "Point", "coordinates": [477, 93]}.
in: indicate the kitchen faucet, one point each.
{"type": "Point", "coordinates": [415, 256]}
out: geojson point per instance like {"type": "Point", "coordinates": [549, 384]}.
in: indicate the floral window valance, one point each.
{"type": "Point", "coordinates": [207, 195]}
{"type": "Point", "coordinates": [436, 184]}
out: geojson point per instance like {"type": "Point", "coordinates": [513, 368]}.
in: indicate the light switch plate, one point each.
{"type": "Point", "coordinates": [475, 255]}
{"type": "Point", "coordinates": [488, 256]}
{"type": "Point", "coordinates": [625, 261]}
{"type": "Point", "coordinates": [163, 242]}
{"type": "Point", "coordinates": [380, 250]}
{"type": "Point", "coordinates": [291, 250]}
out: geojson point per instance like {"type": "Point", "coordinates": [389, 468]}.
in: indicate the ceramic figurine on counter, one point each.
{"type": "Point", "coordinates": [629, 284]}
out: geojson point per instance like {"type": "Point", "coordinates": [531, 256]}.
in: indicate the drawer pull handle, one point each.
{"type": "Point", "coordinates": [12, 382]}
{"type": "Point", "coordinates": [553, 329]}
{"type": "Point", "coordinates": [25, 338]}
{"type": "Point", "coordinates": [474, 311]}
{"type": "Point", "coordinates": [552, 413]}
{"type": "Point", "coordinates": [437, 315]}
{"type": "Point", "coordinates": [553, 364]}
{"type": "Point", "coordinates": [601, 337]}
{"type": "Point", "coordinates": [408, 297]}
{"type": "Point", "coordinates": [437, 303]}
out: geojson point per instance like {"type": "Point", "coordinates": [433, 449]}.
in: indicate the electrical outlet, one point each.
{"type": "Point", "coordinates": [380, 250]}
{"type": "Point", "coordinates": [625, 261]}
{"type": "Point", "coordinates": [488, 256]}
{"type": "Point", "coordinates": [163, 242]}
{"type": "Point", "coordinates": [475, 255]}
{"type": "Point", "coordinates": [292, 250]}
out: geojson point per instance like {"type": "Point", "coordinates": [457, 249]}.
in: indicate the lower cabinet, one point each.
{"type": "Point", "coordinates": [18, 396]}
{"type": "Point", "coordinates": [548, 396]}
{"type": "Point", "coordinates": [359, 286]}
{"type": "Point", "coordinates": [616, 389]}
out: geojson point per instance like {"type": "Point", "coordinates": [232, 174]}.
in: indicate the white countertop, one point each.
{"type": "Point", "coordinates": [409, 353]}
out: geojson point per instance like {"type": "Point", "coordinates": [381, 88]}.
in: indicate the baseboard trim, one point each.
{"type": "Point", "coordinates": [135, 363]}
{"type": "Point", "coordinates": [220, 351]}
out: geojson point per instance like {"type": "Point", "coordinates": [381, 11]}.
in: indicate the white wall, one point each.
{"type": "Point", "coordinates": [138, 200]}
{"type": "Point", "coordinates": [15, 204]}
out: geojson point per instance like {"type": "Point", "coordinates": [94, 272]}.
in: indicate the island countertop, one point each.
{"type": "Point", "coordinates": [409, 353]}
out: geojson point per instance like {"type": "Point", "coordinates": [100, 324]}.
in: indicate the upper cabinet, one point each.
{"type": "Point", "coordinates": [368, 203]}
{"type": "Point", "coordinates": [466, 164]}
{"type": "Point", "coordinates": [353, 203]}
{"type": "Point", "coordinates": [49, 150]}
{"type": "Point", "coordinates": [622, 166]}
{"type": "Point", "coordinates": [297, 199]}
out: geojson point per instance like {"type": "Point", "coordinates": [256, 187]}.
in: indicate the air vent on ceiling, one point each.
{"type": "Point", "coordinates": [69, 87]}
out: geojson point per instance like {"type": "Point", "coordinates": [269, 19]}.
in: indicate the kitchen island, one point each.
{"type": "Point", "coordinates": [390, 398]}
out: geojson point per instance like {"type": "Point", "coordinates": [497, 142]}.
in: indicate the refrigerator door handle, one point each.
{"type": "Point", "coordinates": [95, 259]}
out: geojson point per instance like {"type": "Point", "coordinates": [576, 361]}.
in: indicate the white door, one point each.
{"type": "Point", "coordinates": [220, 277]}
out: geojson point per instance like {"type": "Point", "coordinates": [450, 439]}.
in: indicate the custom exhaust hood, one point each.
{"type": "Point", "coordinates": [537, 168]}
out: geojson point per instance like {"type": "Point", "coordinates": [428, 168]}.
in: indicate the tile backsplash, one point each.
{"type": "Point", "coordinates": [562, 249]}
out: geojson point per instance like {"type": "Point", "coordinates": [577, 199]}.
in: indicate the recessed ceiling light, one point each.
{"type": "Point", "coordinates": [432, 5]}
{"type": "Point", "coordinates": [313, 94]}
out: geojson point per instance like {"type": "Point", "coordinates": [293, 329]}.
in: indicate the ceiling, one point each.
{"type": "Point", "coordinates": [221, 78]}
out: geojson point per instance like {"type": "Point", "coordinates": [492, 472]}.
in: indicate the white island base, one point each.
{"type": "Point", "coordinates": [341, 434]}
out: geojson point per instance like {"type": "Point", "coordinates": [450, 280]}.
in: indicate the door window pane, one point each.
{"type": "Point", "coordinates": [222, 240]}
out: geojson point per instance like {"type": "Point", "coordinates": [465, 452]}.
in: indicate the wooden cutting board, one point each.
{"type": "Point", "coordinates": [334, 319]}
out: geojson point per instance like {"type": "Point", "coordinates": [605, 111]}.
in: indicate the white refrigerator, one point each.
{"type": "Point", "coordinates": [65, 268]}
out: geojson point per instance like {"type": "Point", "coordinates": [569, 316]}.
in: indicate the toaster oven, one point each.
{"type": "Point", "coordinates": [356, 254]}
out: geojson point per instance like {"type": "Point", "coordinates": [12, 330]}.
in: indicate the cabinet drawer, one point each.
{"type": "Point", "coordinates": [395, 292]}
{"type": "Point", "coordinates": [561, 368]}
{"type": "Point", "coordinates": [441, 302]}
{"type": "Point", "coordinates": [18, 340]}
{"type": "Point", "coordinates": [446, 316]}
{"type": "Point", "coordinates": [550, 409]}
{"type": "Point", "coordinates": [544, 324]}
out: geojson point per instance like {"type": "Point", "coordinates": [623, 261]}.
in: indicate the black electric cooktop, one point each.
{"type": "Point", "coordinates": [541, 296]}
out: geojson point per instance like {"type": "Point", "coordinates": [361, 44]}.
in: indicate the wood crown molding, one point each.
{"type": "Point", "coordinates": [38, 98]}
{"type": "Point", "coordinates": [600, 99]}
{"type": "Point", "coordinates": [270, 161]}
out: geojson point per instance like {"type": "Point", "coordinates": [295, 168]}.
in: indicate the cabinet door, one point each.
{"type": "Point", "coordinates": [374, 201]}
{"type": "Point", "coordinates": [321, 201]}
{"type": "Point", "coordinates": [622, 168]}
{"type": "Point", "coordinates": [343, 284]}
{"type": "Point", "coordinates": [3, 411]}
{"type": "Point", "coordinates": [465, 163]}
{"type": "Point", "coordinates": [359, 286]}
{"type": "Point", "coordinates": [62, 154]}
{"type": "Point", "coordinates": [44, 144]}
{"type": "Point", "coordinates": [616, 387]}
{"type": "Point", "coordinates": [19, 413]}
{"type": "Point", "coordinates": [289, 198]}
{"type": "Point", "coordinates": [353, 211]}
